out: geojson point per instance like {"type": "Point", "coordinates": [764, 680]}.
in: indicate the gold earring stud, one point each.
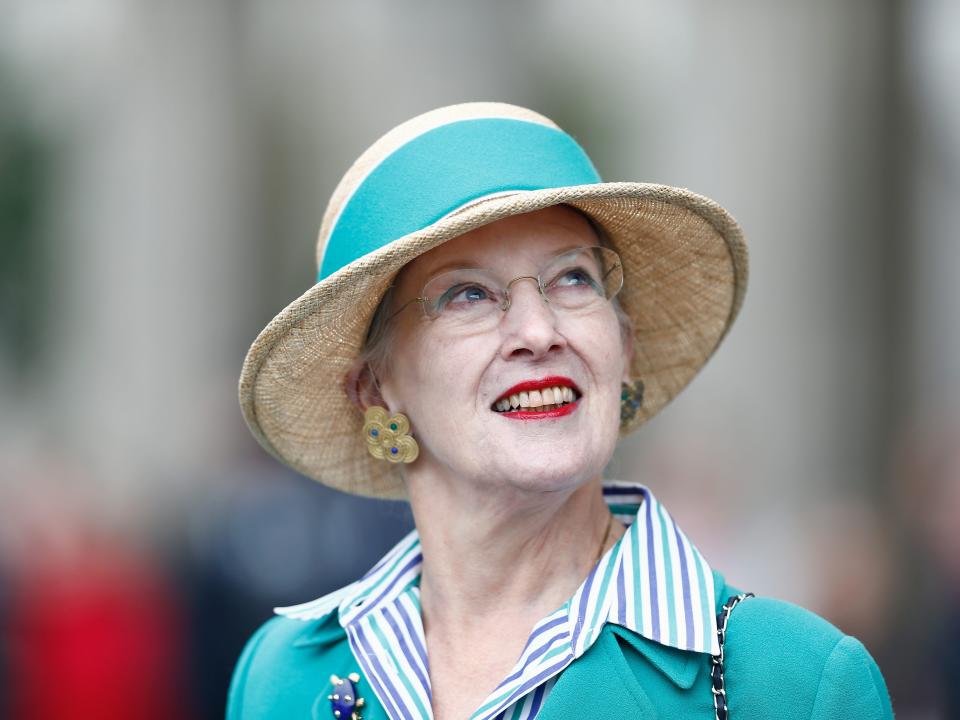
{"type": "Point", "coordinates": [387, 436]}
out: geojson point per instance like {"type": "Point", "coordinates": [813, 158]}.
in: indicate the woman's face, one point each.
{"type": "Point", "coordinates": [449, 378]}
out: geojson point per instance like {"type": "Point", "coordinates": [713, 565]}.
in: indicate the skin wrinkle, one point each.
{"type": "Point", "coordinates": [510, 513]}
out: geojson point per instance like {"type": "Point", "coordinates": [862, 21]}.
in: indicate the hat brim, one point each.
{"type": "Point", "coordinates": [685, 274]}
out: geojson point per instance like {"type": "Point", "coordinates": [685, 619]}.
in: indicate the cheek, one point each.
{"type": "Point", "coordinates": [431, 376]}
{"type": "Point", "coordinates": [602, 347]}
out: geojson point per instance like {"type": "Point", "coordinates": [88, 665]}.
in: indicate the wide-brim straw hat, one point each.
{"type": "Point", "coordinates": [438, 176]}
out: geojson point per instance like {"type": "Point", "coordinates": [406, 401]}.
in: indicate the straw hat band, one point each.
{"type": "Point", "coordinates": [444, 168]}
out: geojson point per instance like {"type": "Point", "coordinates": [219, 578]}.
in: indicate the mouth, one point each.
{"type": "Point", "coordinates": [547, 397]}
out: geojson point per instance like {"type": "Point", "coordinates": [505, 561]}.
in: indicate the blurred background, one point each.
{"type": "Point", "coordinates": [163, 171]}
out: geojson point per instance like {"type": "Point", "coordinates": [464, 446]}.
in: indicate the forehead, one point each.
{"type": "Point", "coordinates": [506, 244]}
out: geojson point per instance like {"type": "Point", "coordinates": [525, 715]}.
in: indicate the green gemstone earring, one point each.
{"type": "Point", "coordinates": [631, 398]}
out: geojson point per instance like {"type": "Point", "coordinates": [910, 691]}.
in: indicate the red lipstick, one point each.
{"type": "Point", "coordinates": [541, 384]}
{"type": "Point", "coordinates": [541, 414]}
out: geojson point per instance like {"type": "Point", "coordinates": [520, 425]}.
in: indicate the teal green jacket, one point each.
{"type": "Point", "coordinates": [782, 662]}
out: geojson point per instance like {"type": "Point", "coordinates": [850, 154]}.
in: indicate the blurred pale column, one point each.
{"type": "Point", "coordinates": [152, 224]}
{"type": "Point", "coordinates": [932, 40]}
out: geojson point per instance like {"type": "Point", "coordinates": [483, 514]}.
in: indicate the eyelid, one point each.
{"type": "Point", "coordinates": [582, 268]}
{"type": "Point", "coordinates": [475, 276]}
{"type": "Point", "coordinates": [451, 292]}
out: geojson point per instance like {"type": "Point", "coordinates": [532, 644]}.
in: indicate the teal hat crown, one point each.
{"type": "Point", "coordinates": [441, 169]}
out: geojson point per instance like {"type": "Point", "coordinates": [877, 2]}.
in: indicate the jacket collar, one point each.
{"type": "Point", "coordinates": [322, 632]}
{"type": "Point", "coordinates": [679, 666]}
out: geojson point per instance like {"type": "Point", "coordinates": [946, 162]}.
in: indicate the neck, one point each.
{"type": "Point", "coordinates": [508, 551]}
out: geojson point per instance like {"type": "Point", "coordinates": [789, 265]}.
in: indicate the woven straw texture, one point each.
{"type": "Point", "coordinates": [685, 273]}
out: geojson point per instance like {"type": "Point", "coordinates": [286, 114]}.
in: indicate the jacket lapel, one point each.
{"type": "Point", "coordinates": [601, 684]}
{"type": "Point", "coordinates": [598, 685]}
{"type": "Point", "coordinates": [320, 633]}
{"type": "Point", "coordinates": [680, 666]}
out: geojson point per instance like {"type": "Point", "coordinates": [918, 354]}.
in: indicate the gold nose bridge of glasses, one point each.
{"type": "Point", "coordinates": [508, 295]}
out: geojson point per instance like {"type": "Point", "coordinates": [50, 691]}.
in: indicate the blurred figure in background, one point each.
{"type": "Point", "coordinates": [93, 625]}
{"type": "Point", "coordinates": [253, 541]}
{"type": "Point", "coordinates": [928, 619]}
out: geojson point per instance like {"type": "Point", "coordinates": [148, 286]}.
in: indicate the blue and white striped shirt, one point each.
{"type": "Point", "coordinates": [653, 582]}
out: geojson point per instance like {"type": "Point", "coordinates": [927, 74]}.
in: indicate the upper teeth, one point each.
{"type": "Point", "coordinates": [536, 398]}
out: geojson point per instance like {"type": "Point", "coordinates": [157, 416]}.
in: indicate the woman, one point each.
{"type": "Point", "coordinates": [489, 317]}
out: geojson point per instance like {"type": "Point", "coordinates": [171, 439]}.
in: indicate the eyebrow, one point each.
{"type": "Point", "coordinates": [466, 265]}
{"type": "Point", "coordinates": [453, 265]}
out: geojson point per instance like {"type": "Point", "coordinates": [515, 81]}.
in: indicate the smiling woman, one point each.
{"type": "Point", "coordinates": [485, 334]}
{"type": "Point", "coordinates": [489, 318]}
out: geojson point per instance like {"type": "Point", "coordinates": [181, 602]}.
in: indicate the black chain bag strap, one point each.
{"type": "Point", "coordinates": [716, 673]}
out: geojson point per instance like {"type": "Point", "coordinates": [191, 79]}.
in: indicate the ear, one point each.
{"type": "Point", "coordinates": [361, 386]}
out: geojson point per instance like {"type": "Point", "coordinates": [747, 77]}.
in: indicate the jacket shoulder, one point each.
{"type": "Point", "coordinates": [783, 660]}
{"type": "Point", "coordinates": [276, 675]}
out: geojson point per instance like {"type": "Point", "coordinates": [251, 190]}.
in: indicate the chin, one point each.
{"type": "Point", "coordinates": [538, 470]}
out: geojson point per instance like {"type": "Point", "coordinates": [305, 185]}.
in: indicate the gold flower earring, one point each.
{"type": "Point", "coordinates": [387, 436]}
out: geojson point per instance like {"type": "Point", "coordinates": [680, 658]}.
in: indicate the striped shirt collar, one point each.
{"type": "Point", "coordinates": [653, 582]}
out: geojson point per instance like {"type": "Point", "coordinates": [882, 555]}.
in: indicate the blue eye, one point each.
{"type": "Point", "coordinates": [463, 295]}
{"type": "Point", "coordinates": [574, 277]}
{"type": "Point", "coordinates": [471, 294]}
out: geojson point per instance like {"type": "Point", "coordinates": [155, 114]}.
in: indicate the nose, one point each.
{"type": "Point", "coordinates": [529, 325]}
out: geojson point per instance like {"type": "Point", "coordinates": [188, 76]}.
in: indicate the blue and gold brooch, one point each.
{"type": "Point", "coordinates": [344, 702]}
